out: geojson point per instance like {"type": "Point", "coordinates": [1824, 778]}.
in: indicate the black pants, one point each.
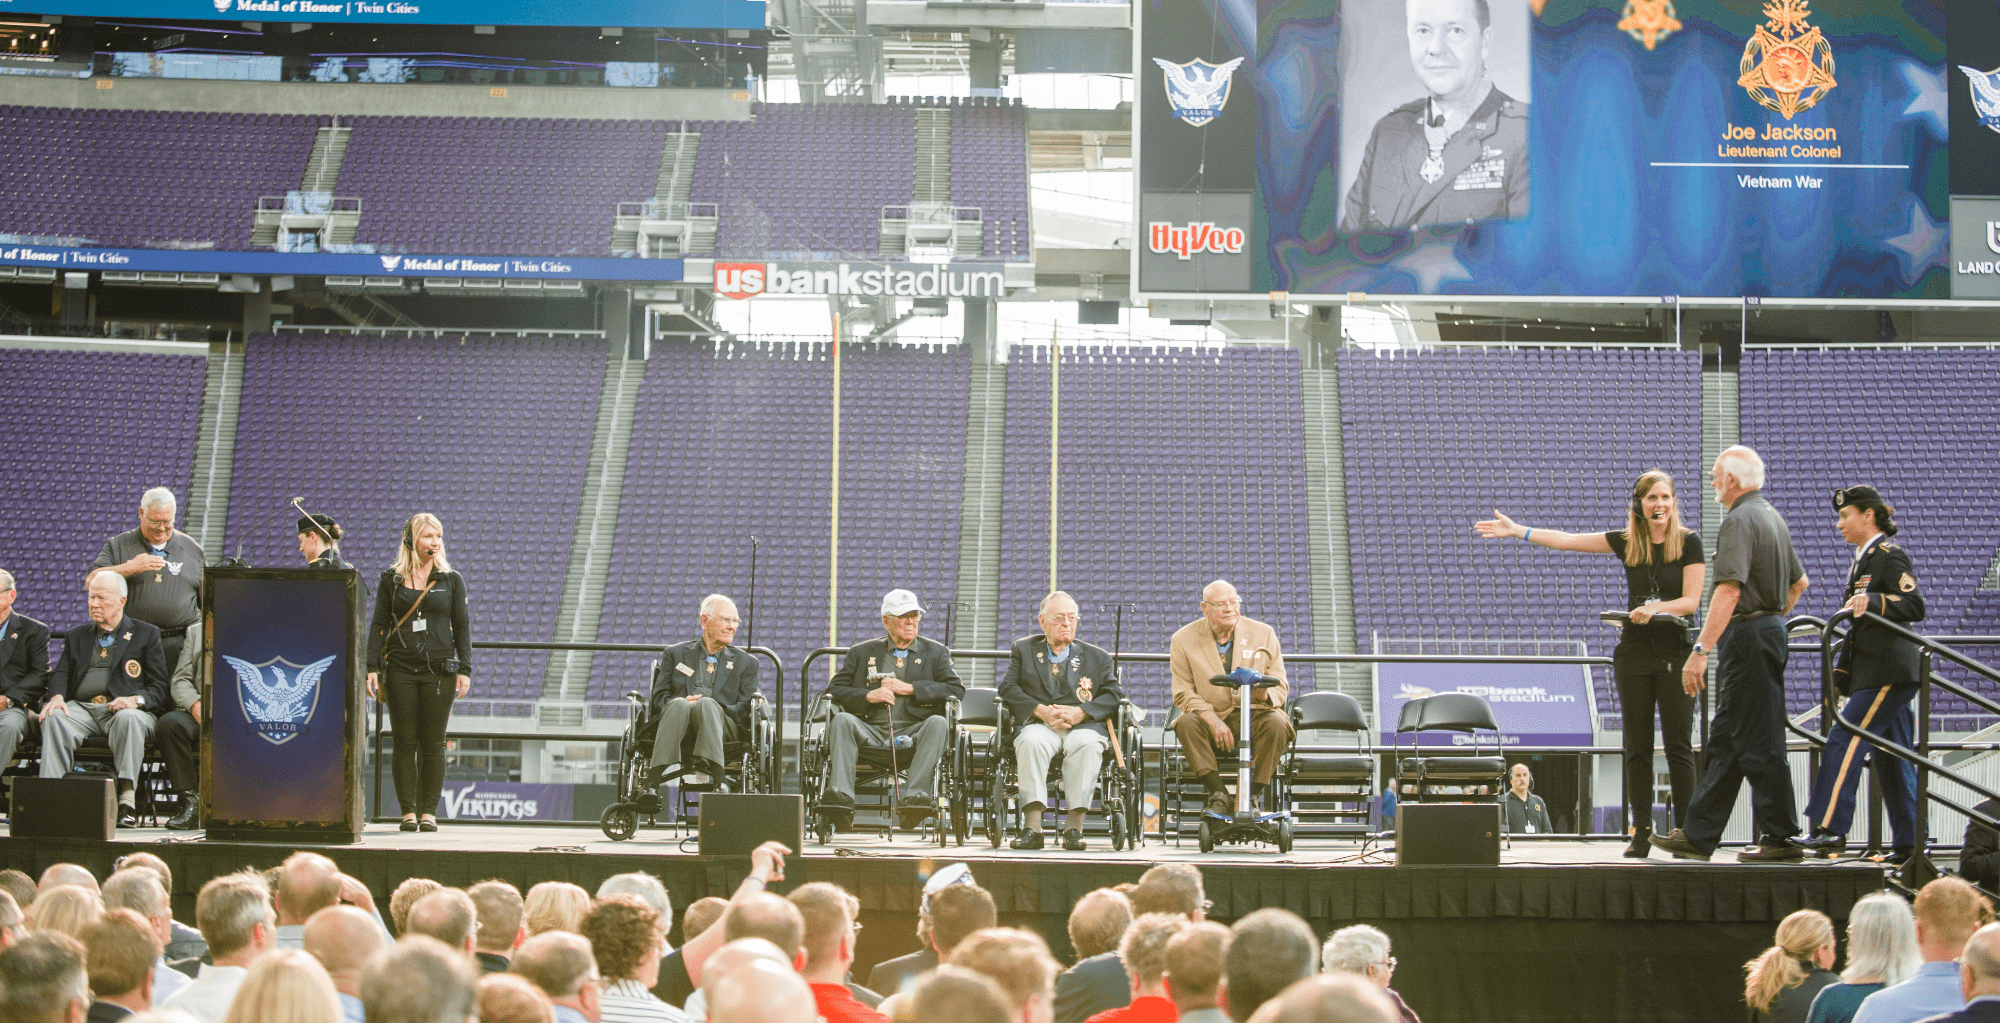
{"type": "Point", "coordinates": [1747, 738]}
{"type": "Point", "coordinates": [1642, 687]}
{"type": "Point", "coordinates": [176, 733]}
{"type": "Point", "coordinates": [419, 708]}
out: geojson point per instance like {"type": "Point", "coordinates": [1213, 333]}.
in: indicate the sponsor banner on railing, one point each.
{"type": "Point", "coordinates": [748, 14]}
{"type": "Point", "coordinates": [506, 801]}
{"type": "Point", "coordinates": [1534, 704]}
{"type": "Point", "coordinates": [340, 264]}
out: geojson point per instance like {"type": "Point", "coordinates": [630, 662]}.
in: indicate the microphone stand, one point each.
{"type": "Point", "coordinates": [237, 561]}
{"type": "Point", "coordinates": [750, 605]}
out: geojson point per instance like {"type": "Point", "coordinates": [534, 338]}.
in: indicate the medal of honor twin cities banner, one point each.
{"type": "Point", "coordinates": [1775, 148]}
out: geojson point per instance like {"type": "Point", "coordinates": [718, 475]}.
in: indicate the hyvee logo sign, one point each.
{"type": "Point", "coordinates": [747, 280]}
{"type": "Point", "coordinates": [1194, 239]}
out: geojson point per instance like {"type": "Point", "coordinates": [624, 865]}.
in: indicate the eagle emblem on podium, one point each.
{"type": "Point", "coordinates": [1985, 94]}
{"type": "Point", "coordinates": [276, 705]}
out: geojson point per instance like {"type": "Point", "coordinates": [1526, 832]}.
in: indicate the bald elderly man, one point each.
{"type": "Point", "coordinates": [1219, 642]}
{"type": "Point", "coordinates": [344, 939]}
{"type": "Point", "coordinates": [702, 698]}
{"type": "Point", "coordinates": [1062, 693]}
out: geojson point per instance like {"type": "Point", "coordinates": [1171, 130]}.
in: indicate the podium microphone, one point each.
{"type": "Point", "coordinates": [237, 561]}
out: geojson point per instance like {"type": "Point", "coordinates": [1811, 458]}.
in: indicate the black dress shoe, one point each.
{"type": "Point", "coordinates": [1641, 847]}
{"type": "Point", "coordinates": [188, 819]}
{"type": "Point", "coordinates": [427, 825]}
{"type": "Point", "coordinates": [915, 809]}
{"type": "Point", "coordinates": [1779, 852]}
{"type": "Point", "coordinates": [1027, 841]}
{"type": "Point", "coordinates": [1821, 843]}
{"type": "Point", "coordinates": [409, 824]}
{"type": "Point", "coordinates": [127, 816]}
{"type": "Point", "coordinates": [1073, 840]}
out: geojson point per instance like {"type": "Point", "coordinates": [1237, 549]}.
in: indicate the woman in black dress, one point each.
{"type": "Point", "coordinates": [419, 661]}
{"type": "Point", "coordinates": [1663, 576]}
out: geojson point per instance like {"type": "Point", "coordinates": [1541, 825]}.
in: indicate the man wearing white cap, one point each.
{"type": "Point", "coordinates": [898, 681]}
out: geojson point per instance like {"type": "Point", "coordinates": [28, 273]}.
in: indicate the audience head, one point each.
{"type": "Point", "coordinates": [733, 956]}
{"type": "Point", "coordinates": [344, 940]}
{"type": "Point", "coordinates": [119, 952]}
{"type": "Point", "coordinates": [419, 980]}
{"type": "Point", "coordinates": [508, 998]}
{"type": "Point", "coordinates": [1805, 940]}
{"type": "Point", "coordinates": [1143, 950]}
{"type": "Point", "coordinates": [498, 907]}
{"type": "Point", "coordinates": [43, 980]}
{"type": "Point", "coordinates": [1170, 888]}
{"type": "Point", "coordinates": [13, 923]}
{"type": "Point", "coordinates": [307, 883]}
{"type": "Point", "coordinates": [18, 885]}
{"type": "Point", "coordinates": [700, 915]}
{"type": "Point", "coordinates": [233, 913]}
{"type": "Point", "coordinates": [1948, 910]}
{"type": "Point", "coordinates": [1194, 959]}
{"type": "Point", "coordinates": [288, 986]}
{"type": "Point", "coordinates": [961, 996]}
{"type": "Point", "coordinates": [761, 992]}
{"type": "Point", "coordinates": [1881, 941]}
{"type": "Point", "coordinates": [1979, 965]}
{"type": "Point", "coordinates": [647, 887]}
{"type": "Point", "coordinates": [1361, 950]}
{"type": "Point", "coordinates": [141, 891]}
{"type": "Point", "coordinates": [827, 912]}
{"type": "Point", "coordinates": [406, 895]}
{"type": "Point", "coordinates": [66, 873]}
{"type": "Point", "coordinates": [627, 938]}
{"type": "Point", "coordinates": [1020, 963]}
{"type": "Point", "coordinates": [956, 911]}
{"type": "Point", "coordinates": [563, 966]}
{"type": "Point", "coordinates": [67, 908]}
{"type": "Point", "coordinates": [1269, 951]}
{"type": "Point", "coordinates": [1330, 998]}
{"type": "Point", "coordinates": [556, 906]}
{"type": "Point", "coordinates": [1097, 921]}
{"type": "Point", "coordinates": [766, 916]}
{"type": "Point", "coordinates": [150, 862]}
{"type": "Point", "coordinates": [448, 916]}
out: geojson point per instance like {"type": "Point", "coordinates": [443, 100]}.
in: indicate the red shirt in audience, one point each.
{"type": "Point", "coordinates": [837, 1005]}
{"type": "Point", "coordinates": [1144, 1009]}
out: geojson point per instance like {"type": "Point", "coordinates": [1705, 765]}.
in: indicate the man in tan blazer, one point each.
{"type": "Point", "coordinates": [1214, 644]}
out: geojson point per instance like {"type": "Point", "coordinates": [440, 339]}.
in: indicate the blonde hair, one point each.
{"type": "Point", "coordinates": [1948, 909]}
{"type": "Point", "coordinates": [1786, 964]}
{"type": "Point", "coordinates": [555, 906]}
{"type": "Point", "coordinates": [406, 554]}
{"type": "Point", "coordinates": [67, 909]}
{"type": "Point", "coordinates": [1018, 961]}
{"type": "Point", "coordinates": [285, 985]}
{"type": "Point", "coordinates": [1638, 535]}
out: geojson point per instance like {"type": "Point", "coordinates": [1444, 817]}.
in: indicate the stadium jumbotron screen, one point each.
{"type": "Point", "coordinates": [1781, 148]}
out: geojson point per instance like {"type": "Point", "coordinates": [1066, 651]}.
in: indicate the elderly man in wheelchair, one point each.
{"type": "Point", "coordinates": [1062, 691]}
{"type": "Point", "coordinates": [701, 698]}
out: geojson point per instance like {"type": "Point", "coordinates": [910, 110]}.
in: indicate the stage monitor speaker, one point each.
{"type": "Point", "coordinates": [733, 824]}
{"type": "Point", "coordinates": [64, 808]}
{"type": "Point", "coordinates": [1448, 834]}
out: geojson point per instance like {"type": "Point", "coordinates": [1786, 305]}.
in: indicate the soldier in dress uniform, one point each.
{"type": "Point", "coordinates": [1063, 691]}
{"type": "Point", "coordinates": [111, 680]}
{"type": "Point", "coordinates": [319, 542]}
{"type": "Point", "coordinates": [1877, 673]}
{"type": "Point", "coordinates": [24, 669]}
{"type": "Point", "coordinates": [897, 681]}
{"type": "Point", "coordinates": [1456, 156]}
{"type": "Point", "coordinates": [704, 684]}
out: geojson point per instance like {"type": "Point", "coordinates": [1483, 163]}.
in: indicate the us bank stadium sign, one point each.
{"type": "Point", "coordinates": [338, 264]}
{"type": "Point", "coordinates": [910, 280]}
{"type": "Point", "coordinates": [741, 14]}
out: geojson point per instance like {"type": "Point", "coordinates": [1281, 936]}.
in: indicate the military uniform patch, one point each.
{"type": "Point", "coordinates": [1909, 582]}
{"type": "Point", "coordinates": [131, 669]}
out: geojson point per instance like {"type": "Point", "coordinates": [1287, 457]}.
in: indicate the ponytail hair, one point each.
{"type": "Point", "coordinates": [1785, 964]}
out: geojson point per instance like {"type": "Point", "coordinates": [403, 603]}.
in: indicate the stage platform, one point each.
{"type": "Point", "coordinates": [1561, 930]}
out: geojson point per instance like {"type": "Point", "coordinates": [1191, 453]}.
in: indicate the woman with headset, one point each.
{"type": "Point", "coordinates": [419, 661]}
{"type": "Point", "coordinates": [1663, 576]}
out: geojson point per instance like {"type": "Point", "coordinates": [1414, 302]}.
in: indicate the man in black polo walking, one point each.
{"type": "Point", "coordinates": [1758, 578]}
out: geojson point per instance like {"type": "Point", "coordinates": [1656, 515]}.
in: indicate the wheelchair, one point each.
{"type": "Point", "coordinates": [750, 763]}
{"type": "Point", "coordinates": [1120, 780]}
{"type": "Point", "coordinates": [1182, 797]}
{"type": "Point", "coordinates": [1331, 783]}
{"type": "Point", "coordinates": [877, 768]}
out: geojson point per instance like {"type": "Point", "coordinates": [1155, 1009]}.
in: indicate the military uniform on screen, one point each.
{"type": "Point", "coordinates": [1481, 172]}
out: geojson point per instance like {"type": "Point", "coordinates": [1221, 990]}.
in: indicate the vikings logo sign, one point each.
{"type": "Point", "coordinates": [276, 707]}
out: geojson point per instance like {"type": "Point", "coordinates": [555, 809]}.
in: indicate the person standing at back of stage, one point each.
{"type": "Point", "coordinates": [1781, 983]}
{"type": "Point", "coordinates": [1663, 576]}
{"type": "Point", "coordinates": [1758, 580]}
{"type": "Point", "coordinates": [421, 640]}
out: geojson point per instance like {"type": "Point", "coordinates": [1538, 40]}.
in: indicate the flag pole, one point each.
{"type": "Point", "coordinates": [833, 561]}
{"type": "Point", "coordinates": [1055, 444]}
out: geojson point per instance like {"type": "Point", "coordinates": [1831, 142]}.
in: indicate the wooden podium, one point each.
{"type": "Point", "coordinates": [281, 724]}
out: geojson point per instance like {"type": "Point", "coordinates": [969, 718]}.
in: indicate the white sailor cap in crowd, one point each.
{"type": "Point", "coordinates": [957, 873]}
{"type": "Point", "coordinates": [897, 603]}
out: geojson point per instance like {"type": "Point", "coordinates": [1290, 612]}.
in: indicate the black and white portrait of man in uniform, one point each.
{"type": "Point", "coordinates": [1452, 147]}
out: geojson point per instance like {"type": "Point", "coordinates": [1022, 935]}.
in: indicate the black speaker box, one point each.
{"type": "Point", "coordinates": [64, 808]}
{"type": "Point", "coordinates": [733, 824]}
{"type": "Point", "coordinates": [1448, 834]}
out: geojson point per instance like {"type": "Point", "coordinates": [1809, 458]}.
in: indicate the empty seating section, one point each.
{"type": "Point", "coordinates": [1178, 466]}
{"type": "Point", "coordinates": [490, 434]}
{"type": "Point", "coordinates": [86, 434]}
{"type": "Point", "coordinates": [520, 186]}
{"type": "Point", "coordinates": [805, 181]}
{"type": "Point", "coordinates": [142, 178]}
{"type": "Point", "coordinates": [1815, 418]}
{"type": "Point", "coordinates": [1436, 440]}
{"type": "Point", "coordinates": [733, 442]}
{"type": "Point", "coordinates": [989, 152]}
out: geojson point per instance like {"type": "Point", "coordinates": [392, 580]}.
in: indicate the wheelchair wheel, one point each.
{"type": "Point", "coordinates": [1285, 836]}
{"type": "Point", "coordinates": [996, 809]}
{"type": "Point", "coordinates": [619, 821]}
{"type": "Point", "coordinates": [1206, 835]}
{"type": "Point", "coordinates": [1117, 830]}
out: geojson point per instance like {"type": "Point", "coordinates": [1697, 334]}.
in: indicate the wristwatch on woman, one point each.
{"type": "Point", "coordinates": [1698, 649]}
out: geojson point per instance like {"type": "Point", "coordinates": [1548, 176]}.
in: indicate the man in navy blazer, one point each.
{"type": "Point", "coordinates": [1059, 692]}
{"type": "Point", "coordinates": [111, 681]}
{"type": "Point", "coordinates": [705, 684]}
{"type": "Point", "coordinates": [24, 669]}
{"type": "Point", "coordinates": [1978, 979]}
